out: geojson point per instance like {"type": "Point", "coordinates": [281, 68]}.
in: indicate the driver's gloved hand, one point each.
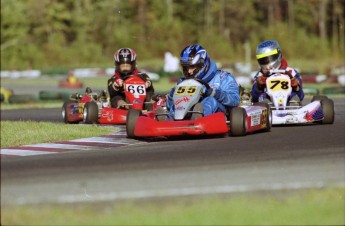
{"type": "Point", "coordinates": [118, 83]}
{"type": "Point", "coordinates": [261, 80]}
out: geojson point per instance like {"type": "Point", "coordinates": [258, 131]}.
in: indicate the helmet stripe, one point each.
{"type": "Point", "coordinates": [259, 56]}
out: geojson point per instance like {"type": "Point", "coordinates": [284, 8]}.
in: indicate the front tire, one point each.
{"type": "Point", "coordinates": [64, 111]}
{"type": "Point", "coordinates": [132, 116]}
{"type": "Point", "coordinates": [90, 112]}
{"type": "Point", "coordinates": [237, 121]}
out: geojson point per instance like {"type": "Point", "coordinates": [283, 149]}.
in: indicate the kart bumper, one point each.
{"type": "Point", "coordinates": [208, 125]}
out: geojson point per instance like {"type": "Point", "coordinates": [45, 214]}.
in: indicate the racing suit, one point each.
{"type": "Point", "coordinates": [258, 91]}
{"type": "Point", "coordinates": [226, 92]}
{"type": "Point", "coordinates": [116, 93]}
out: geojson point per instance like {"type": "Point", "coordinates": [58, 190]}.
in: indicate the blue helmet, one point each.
{"type": "Point", "coordinates": [194, 56]}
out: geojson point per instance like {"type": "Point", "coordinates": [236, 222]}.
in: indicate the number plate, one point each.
{"type": "Point", "coordinates": [136, 89]}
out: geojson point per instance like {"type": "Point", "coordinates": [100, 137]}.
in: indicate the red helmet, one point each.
{"type": "Point", "coordinates": [125, 56]}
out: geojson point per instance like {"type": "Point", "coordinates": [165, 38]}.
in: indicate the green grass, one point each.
{"type": "Point", "coordinates": [16, 133]}
{"type": "Point", "coordinates": [301, 207]}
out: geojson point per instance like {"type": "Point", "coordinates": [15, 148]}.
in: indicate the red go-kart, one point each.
{"type": "Point", "coordinates": [189, 120]}
{"type": "Point", "coordinates": [96, 110]}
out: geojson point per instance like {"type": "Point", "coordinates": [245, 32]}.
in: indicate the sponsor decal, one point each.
{"type": "Point", "coordinates": [108, 115]}
{"type": "Point", "coordinates": [137, 102]}
{"type": "Point", "coordinates": [184, 99]}
{"type": "Point", "coordinates": [264, 118]}
{"type": "Point", "coordinates": [255, 118]}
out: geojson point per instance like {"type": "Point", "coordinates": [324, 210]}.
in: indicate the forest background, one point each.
{"type": "Point", "coordinates": [45, 34]}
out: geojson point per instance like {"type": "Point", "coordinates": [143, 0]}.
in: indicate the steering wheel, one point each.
{"type": "Point", "coordinates": [203, 82]}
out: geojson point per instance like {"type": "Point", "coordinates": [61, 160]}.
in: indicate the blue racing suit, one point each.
{"type": "Point", "coordinates": [225, 92]}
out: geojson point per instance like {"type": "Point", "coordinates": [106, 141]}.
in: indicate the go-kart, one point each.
{"type": "Point", "coordinates": [98, 110]}
{"type": "Point", "coordinates": [73, 109]}
{"type": "Point", "coordinates": [278, 88]}
{"type": "Point", "coordinates": [189, 119]}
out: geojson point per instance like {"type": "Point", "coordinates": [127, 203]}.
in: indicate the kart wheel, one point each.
{"type": "Point", "coordinates": [90, 112]}
{"type": "Point", "coordinates": [161, 114]}
{"type": "Point", "coordinates": [318, 98]}
{"type": "Point", "coordinates": [132, 116]}
{"type": "Point", "coordinates": [64, 111]}
{"type": "Point", "coordinates": [199, 111]}
{"type": "Point", "coordinates": [238, 121]}
{"type": "Point", "coordinates": [268, 115]}
{"type": "Point", "coordinates": [328, 111]}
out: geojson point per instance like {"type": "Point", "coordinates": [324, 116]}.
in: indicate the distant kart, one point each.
{"type": "Point", "coordinates": [321, 108]}
{"type": "Point", "coordinates": [97, 109]}
{"type": "Point", "coordinates": [68, 84]}
{"type": "Point", "coordinates": [73, 110]}
{"type": "Point", "coordinates": [189, 119]}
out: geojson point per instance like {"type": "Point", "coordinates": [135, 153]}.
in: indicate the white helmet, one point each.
{"type": "Point", "coordinates": [269, 55]}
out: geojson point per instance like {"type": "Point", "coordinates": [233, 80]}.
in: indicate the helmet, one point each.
{"type": "Point", "coordinates": [194, 56]}
{"type": "Point", "coordinates": [125, 56]}
{"type": "Point", "coordinates": [268, 53]}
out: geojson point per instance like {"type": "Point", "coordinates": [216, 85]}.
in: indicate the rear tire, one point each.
{"type": "Point", "coordinates": [132, 116]}
{"type": "Point", "coordinates": [318, 98]}
{"type": "Point", "coordinates": [328, 111]}
{"type": "Point", "coordinates": [64, 111]}
{"type": "Point", "coordinates": [237, 121]}
{"type": "Point", "coordinates": [268, 116]}
{"type": "Point", "coordinates": [199, 111]}
{"type": "Point", "coordinates": [90, 112]}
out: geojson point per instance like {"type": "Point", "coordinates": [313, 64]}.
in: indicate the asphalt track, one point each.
{"type": "Point", "coordinates": [288, 157]}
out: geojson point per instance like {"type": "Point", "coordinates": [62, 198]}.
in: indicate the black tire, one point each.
{"type": "Point", "coordinates": [90, 112]}
{"type": "Point", "coordinates": [328, 111]}
{"type": "Point", "coordinates": [268, 116]}
{"type": "Point", "coordinates": [64, 112]}
{"type": "Point", "coordinates": [318, 98]}
{"type": "Point", "coordinates": [237, 122]}
{"type": "Point", "coordinates": [132, 116]}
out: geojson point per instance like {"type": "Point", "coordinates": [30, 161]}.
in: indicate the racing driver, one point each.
{"type": "Point", "coordinates": [125, 66]}
{"type": "Point", "coordinates": [223, 92]}
{"type": "Point", "coordinates": [269, 57]}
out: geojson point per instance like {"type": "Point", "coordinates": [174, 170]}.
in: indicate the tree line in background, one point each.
{"type": "Point", "coordinates": [86, 33]}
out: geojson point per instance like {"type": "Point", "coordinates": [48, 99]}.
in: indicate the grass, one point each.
{"type": "Point", "coordinates": [301, 207]}
{"type": "Point", "coordinates": [17, 133]}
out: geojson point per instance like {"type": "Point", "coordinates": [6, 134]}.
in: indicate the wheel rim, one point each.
{"type": "Point", "coordinates": [63, 113]}
{"type": "Point", "coordinates": [84, 114]}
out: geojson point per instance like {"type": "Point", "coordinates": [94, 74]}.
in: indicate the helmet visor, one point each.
{"type": "Point", "coordinates": [268, 59]}
{"type": "Point", "coordinates": [189, 71]}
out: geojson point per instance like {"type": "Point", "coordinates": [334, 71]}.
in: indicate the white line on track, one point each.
{"type": "Point", "coordinates": [112, 196]}
{"type": "Point", "coordinates": [59, 146]}
{"type": "Point", "coordinates": [22, 152]}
